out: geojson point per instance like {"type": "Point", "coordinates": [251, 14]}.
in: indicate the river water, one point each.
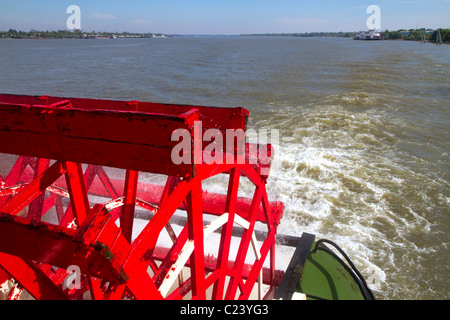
{"type": "Point", "coordinates": [363, 151]}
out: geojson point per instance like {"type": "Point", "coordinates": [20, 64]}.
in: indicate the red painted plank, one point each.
{"type": "Point", "coordinates": [212, 117]}
{"type": "Point", "coordinates": [119, 139]}
{"type": "Point", "coordinates": [34, 280]}
{"type": "Point", "coordinates": [127, 216]}
{"type": "Point", "coordinates": [53, 245]}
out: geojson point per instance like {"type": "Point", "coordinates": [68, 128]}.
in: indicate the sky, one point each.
{"type": "Point", "coordinates": [224, 17]}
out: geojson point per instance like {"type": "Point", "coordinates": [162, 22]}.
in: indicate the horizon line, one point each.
{"type": "Point", "coordinates": [214, 34]}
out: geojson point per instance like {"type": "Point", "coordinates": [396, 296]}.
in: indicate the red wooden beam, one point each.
{"type": "Point", "coordinates": [34, 189]}
{"type": "Point", "coordinates": [31, 277]}
{"type": "Point", "coordinates": [149, 235]}
{"type": "Point", "coordinates": [127, 216]}
{"type": "Point", "coordinates": [244, 245]}
{"type": "Point", "coordinates": [36, 206]}
{"type": "Point", "coordinates": [257, 266]}
{"type": "Point", "coordinates": [221, 118]}
{"type": "Point", "coordinates": [76, 186]}
{"type": "Point", "coordinates": [122, 139]}
{"type": "Point", "coordinates": [195, 230]}
{"type": "Point", "coordinates": [225, 241]}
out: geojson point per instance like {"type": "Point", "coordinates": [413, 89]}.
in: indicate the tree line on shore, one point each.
{"type": "Point", "coordinates": [402, 34]}
{"type": "Point", "coordinates": [68, 34]}
{"type": "Point", "coordinates": [417, 35]}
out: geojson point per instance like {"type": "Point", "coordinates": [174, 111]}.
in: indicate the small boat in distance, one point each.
{"type": "Point", "coordinates": [370, 35]}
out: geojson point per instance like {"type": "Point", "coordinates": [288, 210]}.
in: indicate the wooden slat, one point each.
{"type": "Point", "coordinates": [126, 140]}
{"type": "Point", "coordinates": [212, 117]}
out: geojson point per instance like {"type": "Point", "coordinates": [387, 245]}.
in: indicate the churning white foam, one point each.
{"type": "Point", "coordinates": [340, 177]}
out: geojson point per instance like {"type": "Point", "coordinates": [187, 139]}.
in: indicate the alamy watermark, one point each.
{"type": "Point", "coordinates": [220, 148]}
{"type": "Point", "coordinates": [74, 20]}
{"type": "Point", "coordinates": [374, 21]}
{"type": "Point", "coordinates": [73, 279]}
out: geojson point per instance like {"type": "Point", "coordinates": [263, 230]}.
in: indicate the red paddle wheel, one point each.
{"type": "Point", "coordinates": [92, 205]}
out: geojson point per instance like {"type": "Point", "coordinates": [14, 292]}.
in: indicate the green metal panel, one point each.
{"type": "Point", "coordinates": [325, 277]}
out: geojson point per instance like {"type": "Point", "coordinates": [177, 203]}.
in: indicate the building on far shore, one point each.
{"type": "Point", "coordinates": [370, 35]}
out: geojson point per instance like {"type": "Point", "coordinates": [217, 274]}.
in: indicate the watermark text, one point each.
{"type": "Point", "coordinates": [374, 21]}
{"type": "Point", "coordinates": [74, 20]}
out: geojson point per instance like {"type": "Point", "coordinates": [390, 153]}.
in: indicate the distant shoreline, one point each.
{"type": "Point", "coordinates": [405, 35]}
{"type": "Point", "coordinates": [193, 36]}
